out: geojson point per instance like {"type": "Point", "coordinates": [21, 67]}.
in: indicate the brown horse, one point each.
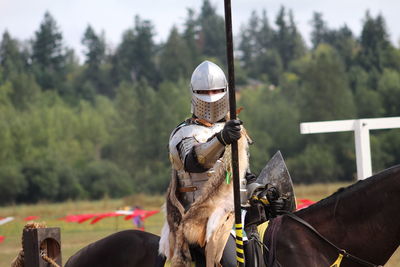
{"type": "Point", "coordinates": [123, 249]}
{"type": "Point", "coordinates": [362, 219]}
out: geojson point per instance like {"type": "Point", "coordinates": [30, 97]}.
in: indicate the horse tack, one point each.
{"type": "Point", "coordinates": [271, 234]}
{"type": "Point", "coordinates": [342, 253]}
{"type": "Point", "coordinates": [338, 261]}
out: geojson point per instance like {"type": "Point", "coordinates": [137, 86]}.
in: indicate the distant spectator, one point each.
{"type": "Point", "coordinates": [137, 220]}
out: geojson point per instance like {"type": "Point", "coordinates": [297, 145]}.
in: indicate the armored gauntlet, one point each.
{"type": "Point", "coordinates": [230, 133]}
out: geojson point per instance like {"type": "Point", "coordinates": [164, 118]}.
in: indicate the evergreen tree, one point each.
{"type": "Point", "coordinates": [319, 31]}
{"type": "Point", "coordinates": [12, 60]}
{"type": "Point", "coordinates": [374, 40]}
{"type": "Point", "coordinates": [282, 37]}
{"type": "Point", "coordinates": [48, 54]}
{"type": "Point", "coordinates": [297, 45]}
{"type": "Point", "coordinates": [190, 35]}
{"type": "Point", "coordinates": [345, 43]}
{"type": "Point", "coordinates": [248, 44]}
{"type": "Point", "coordinates": [14, 63]}
{"type": "Point", "coordinates": [95, 51]}
{"type": "Point", "coordinates": [260, 58]}
{"type": "Point", "coordinates": [342, 39]}
{"type": "Point", "coordinates": [287, 41]}
{"type": "Point", "coordinates": [175, 58]}
{"type": "Point", "coordinates": [265, 34]}
{"type": "Point", "coordinates": [96, 77]}
{"type": "Point", "coordinates": [134, 59]}
{"type": "Point", "coordinates": [212, 33]}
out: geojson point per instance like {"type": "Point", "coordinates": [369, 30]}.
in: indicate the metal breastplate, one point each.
{"type": "Point", "coordinates": [197, 180]}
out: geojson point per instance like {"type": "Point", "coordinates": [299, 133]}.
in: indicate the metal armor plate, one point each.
{"type": "Point", "coordinates": [198, 132]}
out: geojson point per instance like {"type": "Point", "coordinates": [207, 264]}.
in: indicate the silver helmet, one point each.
{"type": "Point", "coordinates": [209, 90]}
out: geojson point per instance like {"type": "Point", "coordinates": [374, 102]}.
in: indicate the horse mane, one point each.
{"type": "Point", "coordinates": [351, 189]}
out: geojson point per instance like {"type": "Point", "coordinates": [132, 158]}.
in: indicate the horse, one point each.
{"type": "Point", "coordinates": [356, 226]}
{"type": "Point", "coordinates": [123, 249]}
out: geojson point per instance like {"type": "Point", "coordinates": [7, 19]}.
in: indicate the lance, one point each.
{"type": "Point", "coordinates": [235, 156]}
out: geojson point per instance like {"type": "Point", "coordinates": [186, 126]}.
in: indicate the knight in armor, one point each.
{"type": "Point", "coordinates": [196, 148]}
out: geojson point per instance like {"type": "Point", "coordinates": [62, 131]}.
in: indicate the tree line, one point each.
{"type": "Point", "coordinates": [71, 130]}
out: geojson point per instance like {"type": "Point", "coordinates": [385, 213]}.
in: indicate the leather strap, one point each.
{"type": "Point", "coordinates": [187, 189]}
{"type": "Point", "coordinates": [202, 122]}
{"type": "Point", "coordinates": [339, 250]}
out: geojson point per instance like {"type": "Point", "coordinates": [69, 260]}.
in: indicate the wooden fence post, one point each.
{"type": "Point", "coordinates": [38, 241]}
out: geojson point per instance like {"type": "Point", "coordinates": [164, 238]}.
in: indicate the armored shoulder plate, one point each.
{"type": "Point", "coordinates": [194, 133]}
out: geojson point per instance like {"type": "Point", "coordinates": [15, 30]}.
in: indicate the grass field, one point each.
{"type": "Point", "coordinates": [75, 236]}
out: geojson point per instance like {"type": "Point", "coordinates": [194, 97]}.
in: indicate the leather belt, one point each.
{"type": "Point", "coordinates": [187, 189]}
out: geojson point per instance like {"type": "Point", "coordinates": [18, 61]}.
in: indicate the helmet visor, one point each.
{"type": "Point", "coordinates": [210, 95]}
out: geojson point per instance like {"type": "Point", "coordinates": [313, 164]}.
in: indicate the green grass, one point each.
{"type": "Point", "coordinates": [75, 236]}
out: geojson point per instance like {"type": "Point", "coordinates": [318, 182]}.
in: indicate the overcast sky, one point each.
{"type": "Point", "coordinates": [23, 17]}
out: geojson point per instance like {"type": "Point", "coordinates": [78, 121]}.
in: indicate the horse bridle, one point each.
{"type": "Point", "coordinates": [339, 250]}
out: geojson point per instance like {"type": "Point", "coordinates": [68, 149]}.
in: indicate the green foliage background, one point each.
{"type": "Point", "coordinates": [85, 130]}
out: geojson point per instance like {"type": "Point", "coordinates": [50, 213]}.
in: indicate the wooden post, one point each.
{"type": "Point", "coordinates": [39, 240]}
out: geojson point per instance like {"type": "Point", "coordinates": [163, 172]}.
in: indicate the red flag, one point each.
{"type": "Point", "coordinates": [2, 238]}
{"type": "Point", "coordinates": [79, 218]}
{"type": "Point", "coordinates": [304, 203]}
{"type": "Point", "coordinates": [136, 212]}
{"type": "Point", "coordinates": [150, 213]}
{"type": "Point", "coordinates": [31, 218]}
{"type": "Point", "coordinates": [142, 213]}
{"type": "Point", "coordinates": [104, 215]}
